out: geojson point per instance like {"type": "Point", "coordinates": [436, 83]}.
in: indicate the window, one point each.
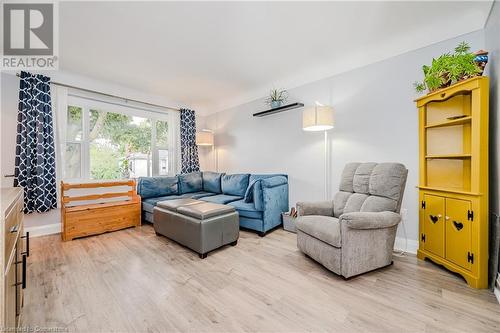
{"type": "Point", "coordinates": [74, 136]}
{"type": "Point", "coordinates": [110, 141]}
{"type": "Point", "coordinates": [161, 148]}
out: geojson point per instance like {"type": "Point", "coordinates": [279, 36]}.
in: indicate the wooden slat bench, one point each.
{"type": "Point", "coordinates": [101, 214]}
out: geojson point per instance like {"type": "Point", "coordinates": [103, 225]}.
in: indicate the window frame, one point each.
{"type": "Point", "coordinates": [87, 103]}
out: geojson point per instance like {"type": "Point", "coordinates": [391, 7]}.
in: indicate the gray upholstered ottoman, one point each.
{"type": "Point", "coordinates": [201, 226]}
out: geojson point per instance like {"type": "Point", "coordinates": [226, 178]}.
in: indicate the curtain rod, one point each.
{"type": "Point", "coordinates": [109, 95]}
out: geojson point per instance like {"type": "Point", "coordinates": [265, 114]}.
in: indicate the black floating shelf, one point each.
{"type": "Point", "coordinates": [278, 109]}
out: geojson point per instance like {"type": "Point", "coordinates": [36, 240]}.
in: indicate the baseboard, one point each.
{"type": "Point", "coordinates": [496, 288]}
{"type": "Point", "coordinates": [43, 230]}
{"type": "Point", "coordinates": [412, 246]}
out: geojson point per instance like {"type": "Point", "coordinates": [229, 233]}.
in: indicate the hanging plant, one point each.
{"type": "Point", "coordinates": [449, 69]}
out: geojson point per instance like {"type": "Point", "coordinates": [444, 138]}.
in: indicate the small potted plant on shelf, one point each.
{"type": "Point", "coordinates": [450, 68]}
{"type": "Point", "coordinates": [277, 97]}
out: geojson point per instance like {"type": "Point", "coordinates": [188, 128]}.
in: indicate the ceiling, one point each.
{"type": "Point", "coordinates": [214, 55]}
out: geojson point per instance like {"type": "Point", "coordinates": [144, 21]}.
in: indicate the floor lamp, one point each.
{"type": "Point", "coordinates": [320, 118]}
{"type": "Point", "coordinates": [205, 138]}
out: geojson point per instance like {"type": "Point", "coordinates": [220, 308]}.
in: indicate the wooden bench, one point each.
{"type": "Point", "coordinates": [102, 212]}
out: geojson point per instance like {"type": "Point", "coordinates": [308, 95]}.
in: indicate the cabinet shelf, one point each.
{"type": "Point", "coordinates": [448, 156]}
{"type": "Point", "coordinates": [455, 122]}
{"type": "Point", "coordinates": [448, 190]}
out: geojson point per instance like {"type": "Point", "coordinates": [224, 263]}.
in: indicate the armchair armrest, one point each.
{"type": "Point", "coordinates": [324, 208]}
{"type": "Point", "coordinates": [370, 220]}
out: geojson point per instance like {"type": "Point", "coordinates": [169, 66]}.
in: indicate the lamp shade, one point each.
{"type": "Point", "coordinates": [318, 118]}
{"type": "Point", "coordinates": [205, 138]}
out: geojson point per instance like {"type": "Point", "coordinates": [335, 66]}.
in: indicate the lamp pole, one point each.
{"type": "Point", "coordinates": [215, 157]}
{"type": "Point", "coordinates": [320, 118]}
{"type": "Point", "coordinates": [327, 176]}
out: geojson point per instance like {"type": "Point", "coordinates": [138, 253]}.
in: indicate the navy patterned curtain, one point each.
{"type": "Point", "coordinates": [35, 154]}
{"type": "Point", "coordinates": [189, 150]}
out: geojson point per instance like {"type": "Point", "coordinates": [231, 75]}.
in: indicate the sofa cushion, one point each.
{"type": "Point", "coordinates": [152, 187]}
{"type": "Point", "coordinates": [150, 203]}
{"type": "Point", "coordinates": [250, 189]}
{"type": "Point", "coordinates": [361, 180]}
{"type": "Point", "coordinates": [339, 202]}
{"type": "Point", "coordinates": [387, 180]}
{"type": "Point", "coordinates": [246, 209]}
{"type": "Point", "coordinates": [221, 198]}
{"type": "Point", "coordinates": [347, 177]}
{"type": "Point", "coordinates": [258, 196]}
{"type": "Point", "coordinates": [190, 182]}
{"type": "Point", "coordinates": [354, 202]}
{"type": "Point", "coordinates": [235, 184]}
{"type": "Point", "coordinates": [324, 228]}
{"type": "Point", "coordinates": [212, 182]}
{"type": "Point", "coordinates": [202, 194]}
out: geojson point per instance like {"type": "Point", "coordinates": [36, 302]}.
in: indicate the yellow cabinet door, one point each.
{"type": "Point", "coordinates": [458, 232]}
{"type": "Point", "coordinates": [433, 215]}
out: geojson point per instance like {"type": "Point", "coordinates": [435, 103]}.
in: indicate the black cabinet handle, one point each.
{"type": "Point", "coordinates": [24, 272]}
{"type": "Point", "coordinates": [27, 237]}
{"type": "Point", "coordinates": [23, 282]}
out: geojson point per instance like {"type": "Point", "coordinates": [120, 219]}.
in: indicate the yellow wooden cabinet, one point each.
{"type": "Point", "coordinates": [453, 180]}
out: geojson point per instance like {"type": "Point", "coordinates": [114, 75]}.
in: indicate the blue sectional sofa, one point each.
{"type": "Point", "coordinates": [259, 199]}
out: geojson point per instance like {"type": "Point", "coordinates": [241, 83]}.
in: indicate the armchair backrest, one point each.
{"type": "Point", "coordinates": [370, 187]}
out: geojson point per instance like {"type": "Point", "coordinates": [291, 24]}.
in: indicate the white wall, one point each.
{"type": "Point", "coordinates": [9, 96]}
{"type": "Point", "coordinates": [492, 40]}
{"type": "Point", "coordinates": [376, 120]}
{"type": "Point", "coordinates": [8, 126]}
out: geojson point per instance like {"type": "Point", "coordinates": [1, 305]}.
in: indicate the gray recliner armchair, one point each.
{"type": "Point", "coordinates": [355, 232]}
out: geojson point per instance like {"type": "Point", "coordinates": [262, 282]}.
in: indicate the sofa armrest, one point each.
{"type": "Point", "coordinates": [324, 208]}
{"type": "Point", "coordinates": [370, 220]}
{"type": "Point", "coordinates": [273, 181]}
{"type": "Point", "coordinates": [274, 200]}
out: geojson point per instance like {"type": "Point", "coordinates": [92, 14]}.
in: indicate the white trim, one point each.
{"type": "Point", "coordinates": [128, 109]}
{"type": "Point", "coordinates": [113, 99]}
{"type": "Point", "coordinates": [496, 287]}
{"type": "Point", "coordinates": [44, 230]}
{"type": "Point", "coordinates": [496, 291]}
{"type": "Point", "coordinates": [412, 247]}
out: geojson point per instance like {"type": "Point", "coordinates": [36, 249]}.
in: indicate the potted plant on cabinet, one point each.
{"type": "Point", "coordinates": [449, 69]}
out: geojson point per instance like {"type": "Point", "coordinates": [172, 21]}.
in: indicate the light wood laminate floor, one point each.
{"type": "Point", "coordinates": [133, 280]}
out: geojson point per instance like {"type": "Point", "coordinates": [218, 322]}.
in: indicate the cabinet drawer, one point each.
{"type": "Point", "coordinates": [13, 224]}
{"type": "Point", "coordinates": [10, 296]}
